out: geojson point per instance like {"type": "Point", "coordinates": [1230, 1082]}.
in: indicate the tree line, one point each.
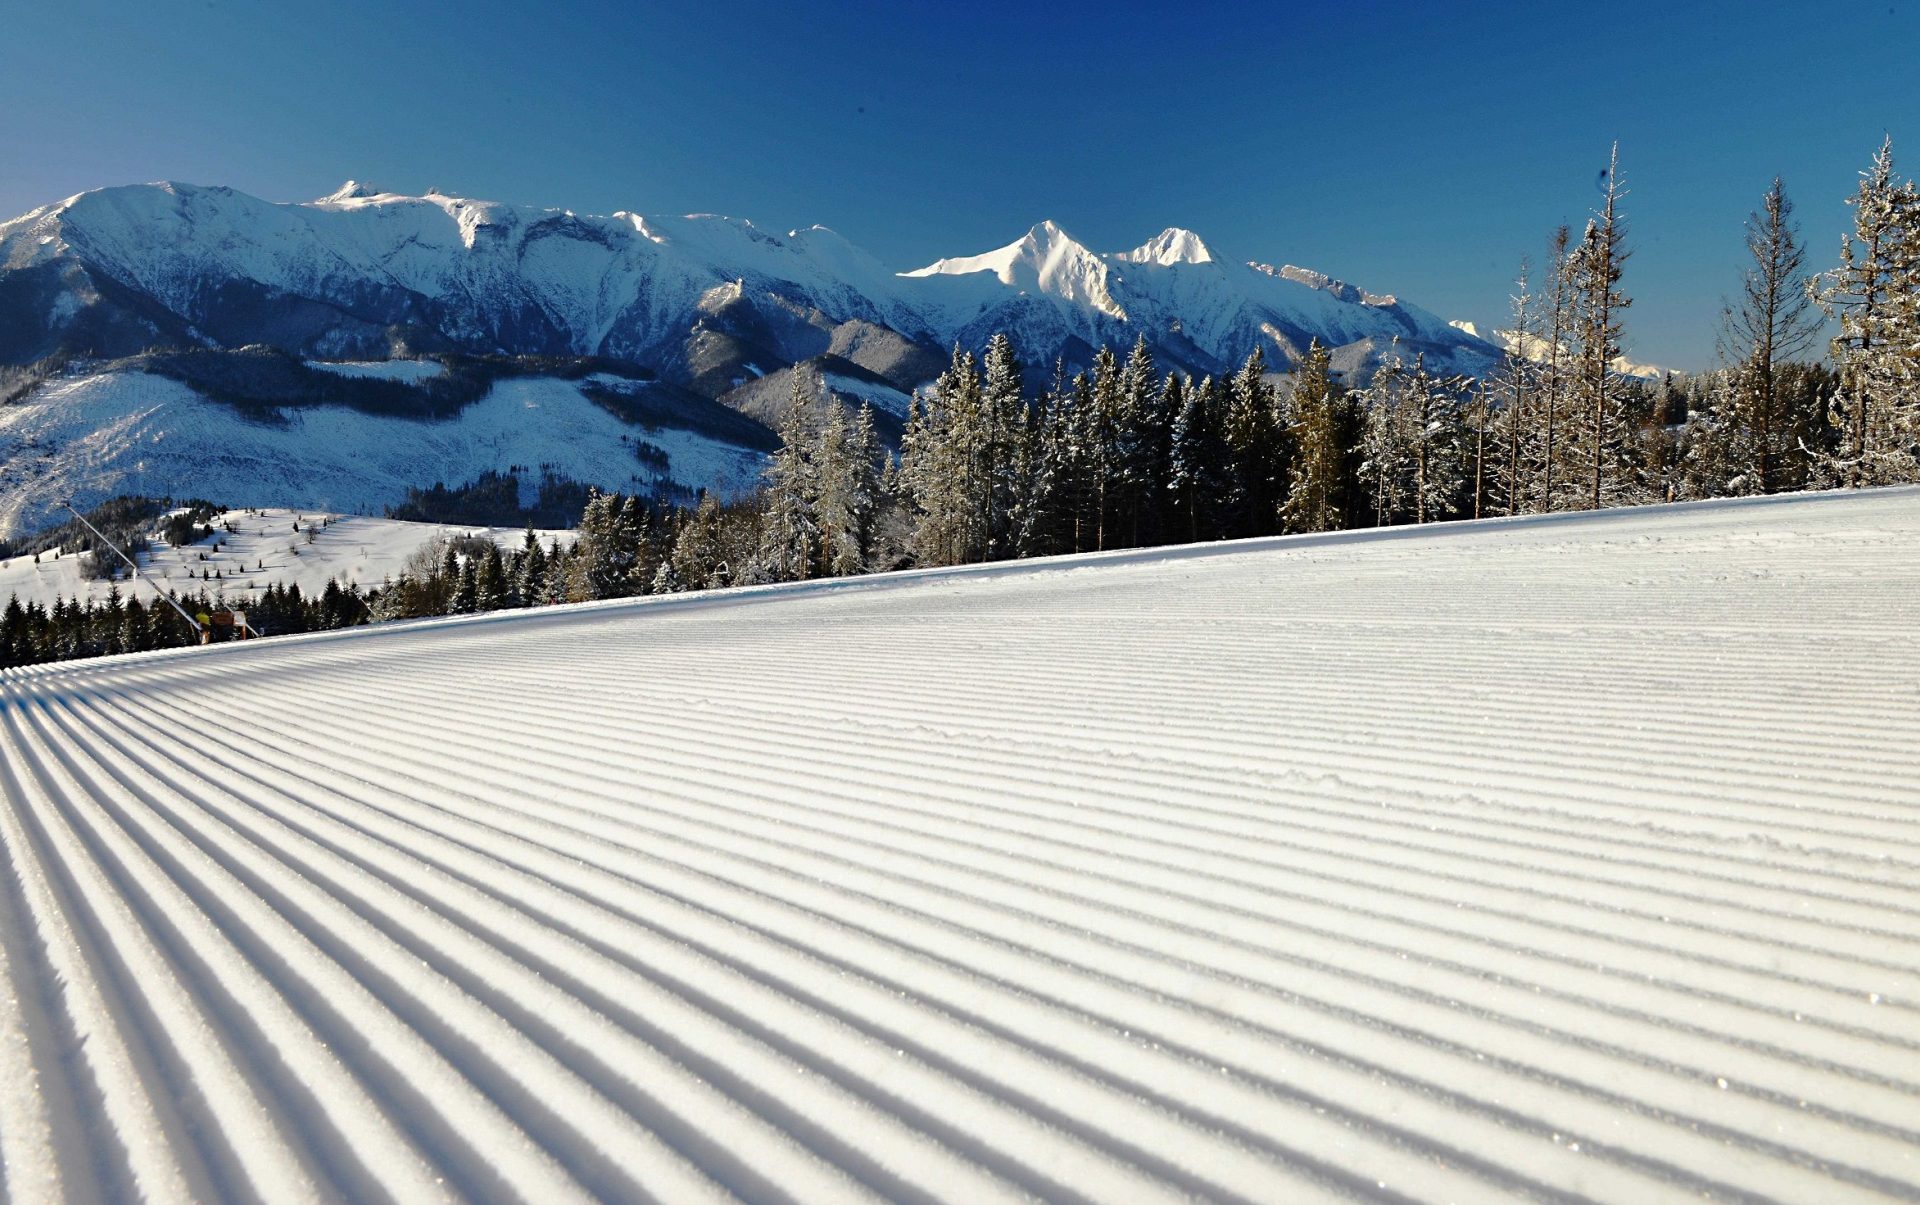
{"type": "Point", "coordinates": [1123, 455]}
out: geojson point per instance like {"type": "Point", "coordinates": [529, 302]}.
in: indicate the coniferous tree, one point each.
{"type": "Point", "coordinates": [1771, 322]}
{"type": "Point", "coordinates": [1048, 513]}
{"type": "Point", "coordinates": [790, 528]}
{"type": "Point", "coordinates": [1875, 295]}
{"type": "Point", "coordinates": [490, 581]}
{"type": "Point", "coordinates": [1557, 380]}
{"type": "Point", "coordinates": [1081, 465]}
{"type": "Point", "coordinates": [466, 589]}
{"type": "Point", "coordinates": [1598, 395]}
{"type": "Point", "coordinates": [848, 480]}
{"type": "Point", "coordinates": [1101, 435]}
{"type": "Point", "coordinates": [701, 557]}
{"type": "Point", "coordinates": [1436, 424]}
{"type": "Point", "coordinates": [1388, 440]}
{"type": "Point", "coordinates": [530, 571]}
{"type": "Point", "coordinates": [1000, 449]}
{"type": "Point", "coordinates": [1254, 449]}
{"type": "Point", "coordinates": [1142, 440]}
{"type": "Point", "coordinates": [943, 466]}
{"type": "Point", "coordinates": [1321, 435]}
{"type": "Point", "coordinates": [1199, 466]}
{"type": "Point", "coordinates": [1515, 395]}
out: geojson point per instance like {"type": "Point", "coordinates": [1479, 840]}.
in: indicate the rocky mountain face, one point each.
{"type": "Point", "coordinates": [713, 305]}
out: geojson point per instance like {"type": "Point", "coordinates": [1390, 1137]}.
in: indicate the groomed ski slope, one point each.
{"type": "Point", "coordinates": [1575, 858]}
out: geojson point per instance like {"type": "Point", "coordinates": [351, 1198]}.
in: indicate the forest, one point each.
{"type": "Point", "coordinates": [1123, 455]}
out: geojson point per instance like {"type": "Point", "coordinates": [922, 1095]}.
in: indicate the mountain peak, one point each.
{"type": "Point", "coordinates": [1171, 246]}
{"type": "Point", "coordinates": [352, 190]}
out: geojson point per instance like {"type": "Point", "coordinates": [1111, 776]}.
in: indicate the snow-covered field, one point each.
{"type": "Point", "coordinates": [1566, 859]}
{"type": "Point", "coordinates": [91, 437]}
{"type": "Point", "coordinates": [266, 550]}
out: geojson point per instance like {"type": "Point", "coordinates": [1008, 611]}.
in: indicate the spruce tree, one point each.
{"type": "Point", "coordinates": [1198, 461]}
{"type": "Point", "coordinates": [1317, 475]}
{"type": "Point", "coordinates": [1101, 434]}
{"type": "Point", "coordinates": [849, 489]}
{"type": "Point", "coordinates": [1254, 450]}
{"type": "Point", "coordinates": [790, 529]}
{"type": "Point", "coordinates": [1143, 437]}
{"type": "Point", "coordinates": [1387, 443]}
{"type": "Point", "coordinates": [1436, 424]}
{"type": "Point", "coordinates": [1598, 395]}
{"type": "Point", "coordinates": [1004, 429]}
{"type": "Point", "coordinates": [1557, 381]}
{"type": "Point", "coordinates": [1875, 295]}
{"type": "Point", "coordinates": [1515, 397]}
{"type": "Point", "coordinates": [943, 471]}
{"type": "Point", "coordinates": [1771, 321]}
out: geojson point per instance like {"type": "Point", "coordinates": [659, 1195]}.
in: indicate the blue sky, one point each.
{"type": "Point", "coordinates": [1419, 149]}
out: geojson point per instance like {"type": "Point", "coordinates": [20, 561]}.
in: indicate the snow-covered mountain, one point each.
{"type": "Point", "coordinates": [88, 436]}
{"type": "Point", "coordinates": [710, 303]}
{"type": "Point", "coordinates": [1537, 349]}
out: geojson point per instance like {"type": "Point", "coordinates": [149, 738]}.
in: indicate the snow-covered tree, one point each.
{"type": "Point", "coordinates": [789, 527]}
{"type": "Point", "coordinates": [701, 558]}
{"type": "Point", "coordinates": [1142, 436]}
{"type": "Point", "coordinates": [1437, 424]}
{"type": "Point", "coordinates": [1770, 322]}
{"type": "Point", "coordinates": [1600, 430]}
{"type": "Point", "coordinates": [1516, 395]}
{"type": "Point", "coordinates": [1387, 441]}
{"type": "Point", "coordinates": [1255, 445]}
{"type": "Point", "coordinates": [848, 481]}
{"type": "Point", "coordinates": [1875, 295]}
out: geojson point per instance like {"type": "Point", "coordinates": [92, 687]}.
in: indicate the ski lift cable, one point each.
{"type": "Point", "coordinates": [191, 621]}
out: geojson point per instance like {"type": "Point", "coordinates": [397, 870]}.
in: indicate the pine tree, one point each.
{"type": "Point", "coordinates": [490, 583]}
{"type": "Point", "coordinates": [1771, 322]}
{"type": "Point", "coordinates": [1316, 493]}
{"type": "Point", "coordinates": [1515, 397]}
{"type": "Point", "coordinates": [465, 591]}
{"type": "Point", "coordinates": [1101, 446]}
{"type": "Point", "coordinates": [1045, 525]}
{"type": "Point", "coordinates": [1557, 377]}
{"type": "Point", "coordinates": [1198, 459]}
{"type": "Point", "coordinates": [1875, 295]}
{"type": "Point", "coordinates": [943, 471]}
{"type": "Point", "coordinates": [700, 559]}
{"type": "Point", "coordinates": [1599, 408]}
{"type": "Point", "coordinates": [1000, 447]}
{"type": "Point", "coordinates": [1254, 450]}
{"type": "Point", "coordinates": [1388, 441]}
{"type": "Point", "coordinates": [1142, 438]}
{"type": "Point", "coordinates": [790, 529]}
{"type": "Point", "coordinates": [1081, 464]}
{"type": "Point", "coordinates": [849, 490]}
{"type": "Point", "coordinates": [647, 549]}
{"type": "Point", "coordinates": [530, 571]}
{"type": "Point", "coordinates": [1436, 424]}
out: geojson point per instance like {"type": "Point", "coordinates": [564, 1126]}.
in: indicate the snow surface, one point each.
{"type": "Point", "coordinates": [91, 437]}
{"type": "Point", "coordinates": [1573, 858]}
{"type": "Point", "coordinates": [410, 371]}
{"type": "Point", "coordinates": [265, 551]}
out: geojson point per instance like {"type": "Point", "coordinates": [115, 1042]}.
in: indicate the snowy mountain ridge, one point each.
{"type": "Point", "coordinates": [363, 272]}
{"type": "Point", "coordinates": [1538, 348]}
